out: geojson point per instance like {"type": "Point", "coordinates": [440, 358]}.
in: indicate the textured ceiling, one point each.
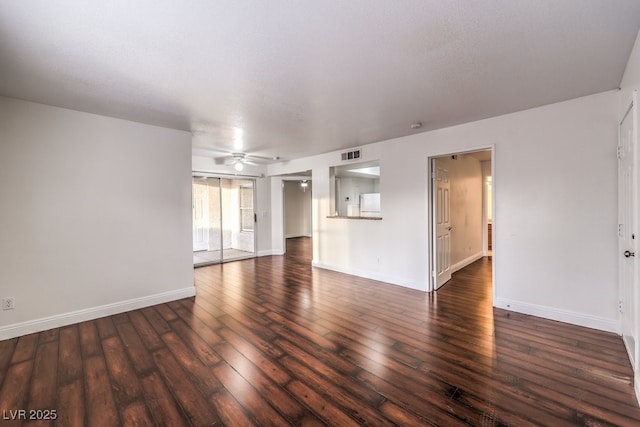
{"type": "Point", "coordinates": [294, 78]}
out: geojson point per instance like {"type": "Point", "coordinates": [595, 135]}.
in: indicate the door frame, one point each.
{"type": "Point", "coordinates": [631, 111]}
{"type": "Point", "coordinates": [431, 220]}
{"type": "Point", "coordinates": [255, 217]}
{"type": "Point", "coordinates": [219, 177]}
{"type": "Point", "coordinates": [294, 177]}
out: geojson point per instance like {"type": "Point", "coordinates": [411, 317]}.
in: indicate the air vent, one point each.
{"type": "Point", "coordinates": [351, 155]}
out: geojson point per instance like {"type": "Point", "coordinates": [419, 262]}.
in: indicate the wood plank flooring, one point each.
{"type": "Point", "coordinates": [273, 341]}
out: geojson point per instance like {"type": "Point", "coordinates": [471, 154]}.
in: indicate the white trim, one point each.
{"type": "Point", "coordinates": [634, 303]}
{"type": "Point", "coordinates": [494, 212]}
{"type": "Point", "coordinates": [552, 313]}
{"type": "Point", "coordinates": [462, 264]}
{"type": "Point", "coordinates": [373, 276]}
{"type": "Point", "coordinates": [636, 380]}
{"type": "Point", "coordinates": [224, 175]}
{"type": "Point", "coordinates": [294, 235]}
{"type": "Point", "coordinates": [270, 252]}
{"type": "Point", "coordinates": [59, 320]}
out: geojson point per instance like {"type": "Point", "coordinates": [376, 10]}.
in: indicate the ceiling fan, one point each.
{"type": "Point", "coordinates": [238, 160]}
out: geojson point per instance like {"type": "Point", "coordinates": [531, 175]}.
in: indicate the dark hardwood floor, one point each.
{"type": "Point", "coordinates": [273, 341]}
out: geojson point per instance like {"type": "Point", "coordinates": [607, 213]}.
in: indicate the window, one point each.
{"type": "Point", "coordinates": [355, 190]}
{"type": "Point", "coordinates": [247, 221]}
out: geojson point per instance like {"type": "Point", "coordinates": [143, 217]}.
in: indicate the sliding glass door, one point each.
{"type": "Point", "coordinates": [223, 219]}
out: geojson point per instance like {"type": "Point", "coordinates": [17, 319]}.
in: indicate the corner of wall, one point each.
{"type": "Point", "coordinates": [64, 319]}
{"type": "Point", "coordinates": [574, 318]}
{"type": "Point", "coordinates": [465, 262]}
{"type": "Point", "coordinates": [397, 281]}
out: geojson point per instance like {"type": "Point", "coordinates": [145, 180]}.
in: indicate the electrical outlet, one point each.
{"type": "Point", "coordinates": [8, 303]}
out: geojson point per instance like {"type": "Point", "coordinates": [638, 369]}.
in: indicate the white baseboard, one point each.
{"type": "Point", "coordinates": [270, 252]}
{"type": "Point", "coordinates": [59, 320]}
{"type": "Point", "coordinates": [373, 276]}
{"type": "Point", "coordinates": [636, 380]}
{"type": "Point", "coordinates": [572, 317]}
{"type": "Point", "coordinates": [462, 264]}
{"type": "Point", "coordinates": [293, 236]}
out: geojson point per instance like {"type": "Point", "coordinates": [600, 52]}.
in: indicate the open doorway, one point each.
{"type": "Point", "coordinates": [223, 219]}
{"type": "Point", "coordinates": [298, 229]}
{"type": "Point", "coordinates": [461, 214]}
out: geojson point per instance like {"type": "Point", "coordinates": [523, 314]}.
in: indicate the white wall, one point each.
{"type": "Point", "coordinates": [555, 217]}
{"type": "Point", "coordinates": [95, 215]}
{"type": "Point", "coordinates": [263, 209]}
{"type": "Point", "coordinates": [297, 209]}
{"type": "Point", "coordinates": [277, 217]}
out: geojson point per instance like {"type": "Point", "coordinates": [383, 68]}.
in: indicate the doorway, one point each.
{"type": "Point", "coordinates": [297, 215]}
{"type": "Point", "coordinates": [297, 220]}
{"type": "Point", "coordinates": [223, 219]}
{"type": "Point", "coordinates": [297, 208]}
{"type": "Point", "coordinates": [462, 195]}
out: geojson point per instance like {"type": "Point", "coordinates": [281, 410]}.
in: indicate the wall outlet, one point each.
{"type": "Point", "coordinates": [8, 303]}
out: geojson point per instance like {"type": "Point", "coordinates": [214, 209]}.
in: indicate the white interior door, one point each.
{"type": "Point", "coordinates": [627, 232]}
{"type": "Point", "coordinates": [442, 193]}
{"type": "Point", "coordinates": [200, 211]}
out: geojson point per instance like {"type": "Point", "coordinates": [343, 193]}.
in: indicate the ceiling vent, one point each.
{"type": "Point", "coordinates": [351, 155]}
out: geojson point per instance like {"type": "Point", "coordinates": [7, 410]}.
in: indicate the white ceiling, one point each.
{"type": "Point", "coordinates": [294, 78]}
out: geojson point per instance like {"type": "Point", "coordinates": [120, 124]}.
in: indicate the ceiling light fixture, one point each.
{"type": "Point", "coordinates": [416, 125]}
{"type": "Point", "coordinates": [238, 166]}
{"type": "Point", "coordinates": [304, 184]}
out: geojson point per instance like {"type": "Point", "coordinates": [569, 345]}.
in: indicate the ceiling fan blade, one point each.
{"type": "Point", "coordinates": [248, 159]}
{"type": "Point", "coordinates": [254, 157]}
{"type": "Point", "coordinates": [220, 160]}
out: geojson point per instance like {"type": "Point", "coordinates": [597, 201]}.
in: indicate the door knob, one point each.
{"type": "Point", "coordinates": [628, 254]}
